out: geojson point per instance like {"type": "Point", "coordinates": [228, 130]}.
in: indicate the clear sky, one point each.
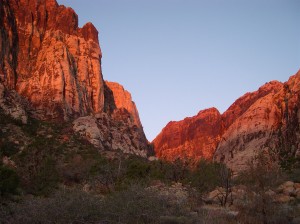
{"type": "Point", "coordinates": [177, 57]}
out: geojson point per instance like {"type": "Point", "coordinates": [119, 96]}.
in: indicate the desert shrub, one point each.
{"type": "Point", "coordinates": [206, 176]}
{"type": "Point", "coordinates": [294, 175]}
{"type": "Point", "coordinates": [31, 127]}
{"type": "Point", "coordinates": [158, 170]}
{"type": "Point", "coordinates": [136, 204]}
{"type": "Point", "coordinates": [177, 171]}
{"type": "Point", "coordinates": [64, 207]}
{"type": "Point", "coordinates": [144, 171]}
{"type": "Point", "coordinates": [139, 205]}
{"type": "Point", "coordinates": [7, 119]}
{"type": "Point", "coordinates": [106, 173]}
{"type": "Point", "coordinates": [137, 169]}
{"type": "Point", "coordinates": [46, 178]}
{"type": "Point", "coordinates": [9, 181]}
{"type": "Point", "coordinates": [76, 169]}
{"type": "Point", "coordinates": [38, 172]}
{"type": "Point", "coordinates": [258, 207]}
{"type": "Point", "coordinates": [8, 148]}
{"type": "Point", "coordinates": [216, 216]}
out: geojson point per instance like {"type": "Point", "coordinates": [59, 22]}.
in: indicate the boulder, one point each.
{"type": "Point", "coordinates": [270, 193]}
{"type": "Point", "coordinates": [281, 198]}
{"type": "Point", "coordinates": [297, 193]}
{"type": "Point", "coordinates": [286, 188]}
{"type": "Point", "coordinates": [297, 185]}
{"type": "Point", "coordinates": [87, 127]}
{"type": "Point", "coordinates": [214, 196]}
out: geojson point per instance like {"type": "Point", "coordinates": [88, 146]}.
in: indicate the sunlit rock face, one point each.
{"type": "Point", "coordinates": [270, 124]}
{"type": "Point", "coordinates": [248, 124]}
{"type": "Point", "coordinates": [46, 59]}
{"type": "Point", "coordinates": [122, 99]}
{"type": "Point", "coordinates": [265, 120]}
{"type": "Point", "coordinates": [194, 137]}
{"type": "Point", "coordinates": [49, 60]}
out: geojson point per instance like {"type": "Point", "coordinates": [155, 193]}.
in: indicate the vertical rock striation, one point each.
{"type": "Point", "coordinates": [48, 60]}
{"type": "Point", "coordinates": [194, 137]}
{"type": "Point", "coordinates": [265, 120]}
{"type": "Point", "coordinates": [122, 99]}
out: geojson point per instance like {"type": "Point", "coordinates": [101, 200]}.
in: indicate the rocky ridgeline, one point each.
{"type": "Point", "coordinates": [54, 66]}
{"type": "Point", "coordinates": [265, 120]}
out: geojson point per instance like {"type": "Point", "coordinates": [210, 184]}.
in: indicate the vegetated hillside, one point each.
{"type": "Point", "coordinates": [48, 173]}
{"type": "Point", "coordinates": [265, 120]}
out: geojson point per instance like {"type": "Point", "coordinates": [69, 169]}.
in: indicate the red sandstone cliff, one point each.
{"type": "Point", "coordinates": [194, 137]}
{"type": "Point", "coordinates": [267, 119]}
{"type": "Point", "coordinates": [123, 99]}
{"type": "Point", "coordinates": [47, 61]}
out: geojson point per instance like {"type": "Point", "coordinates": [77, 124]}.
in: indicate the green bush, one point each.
{"type": "Point", "coordinates": [137, 169]}
{"type": "Point", "coordinates": [262, 175]}
{"type": "Point", "coordinates": [64, 207]}
{"type": "Point", "coordinates": [8, 148]}
{"type": "Point", "coordinates": [38, 172]}
{"type": "Point", "coordinates": [46, 178]}
{"type": "Point", "coordinates": [206, 175]}
{"type": "Point", "coordinates": [133, 205]}
{"type": "Point", "coordinates": [9, 181]}
{"type": "Point", "coordinates": [139, 205]}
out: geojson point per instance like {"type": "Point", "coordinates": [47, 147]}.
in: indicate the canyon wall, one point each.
{"type": "Point", "coordinates": [265, 120]}
{"type": "Point", "coordinates": [55, 66]}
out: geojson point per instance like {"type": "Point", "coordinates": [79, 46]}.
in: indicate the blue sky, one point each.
{"type": "Point", "coordinates": [177, 57]}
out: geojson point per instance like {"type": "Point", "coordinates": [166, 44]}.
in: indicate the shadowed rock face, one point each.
{"type": "Point", "coordinates": [118, 129]}
{"type": "Point", "coordinates": [48, 60]}
{"type": "Point", "coordinates": [267, 119]}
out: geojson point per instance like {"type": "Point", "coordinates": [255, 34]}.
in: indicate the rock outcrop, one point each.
{"type": "Point", "coordinates": [248, 125]}
{"type": "Point", "coordinates": [55, 66]}
{"type": "Point", "coordinates": [194, 137]}
{"type": "Point", "coordinates": [49, 60]}
{"type": "Point", "coordinates": [122, 99]}
{"type": "Point", "coordinates": [116, 132]}
{"type": "Point", "coordinates": [270, 123]}
{"type": "Point", "coordinates": [265, 120]}
{"type": "Point", "coordinates": [12, 104]}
